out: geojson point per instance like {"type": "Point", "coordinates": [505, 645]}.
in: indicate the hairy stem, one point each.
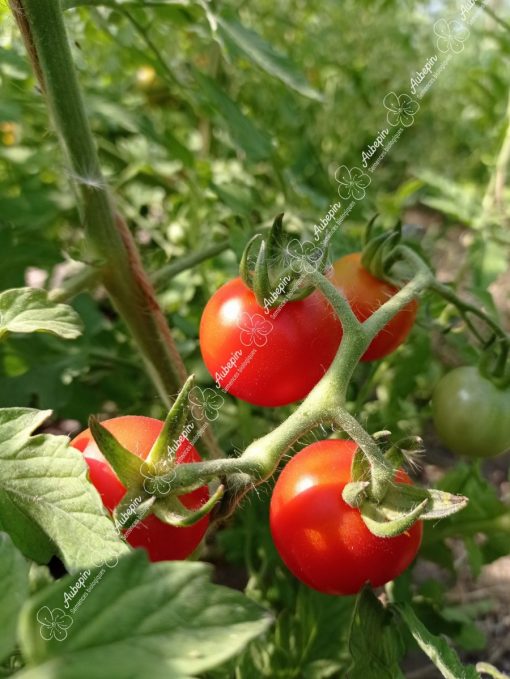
{"type": "Point", "coordinates": [107, 235]}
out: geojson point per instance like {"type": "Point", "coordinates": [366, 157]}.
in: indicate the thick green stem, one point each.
{"type": "Point", "coordinates": [107, 235]}
{"type": "Point", "coordinates": [382, 471]}
{"type": "Point", "coordinates": [422, 280]}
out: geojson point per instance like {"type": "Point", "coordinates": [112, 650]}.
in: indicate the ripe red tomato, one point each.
{"type": "Point", "coordinates": [268, 359]}
{"type": "Point", "coordinates": [137, 434]}
{"type": "Point", "coordinates": [366, 294]}
{"type": "Point", "coordinates": [322, 540]}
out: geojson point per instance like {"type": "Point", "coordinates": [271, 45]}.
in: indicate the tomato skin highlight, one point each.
{"type": "Point", "coordinates": [471, 414]}
{"type": "Point", "coordinates": [137, 434]}
{"type": "Point", "coordinates": [366, 294]}
{"type": "Point", "coordinates": [321, 539]}
{"type": "Point", "coordinates": [285, 355]}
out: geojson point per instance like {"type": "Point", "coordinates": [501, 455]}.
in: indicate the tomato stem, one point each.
{"type": "Point", "coordinates": [502, 339]}
{"type": "Point", "coordinates": [107, 234]}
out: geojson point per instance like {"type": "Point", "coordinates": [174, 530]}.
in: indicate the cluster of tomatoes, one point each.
{"type": "Point", "coordinates": [272, 357]}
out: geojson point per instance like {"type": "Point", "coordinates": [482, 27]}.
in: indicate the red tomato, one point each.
{"type": "Point", "coordinates": [366, 294]}
{"type": "Point", "coordinates": [322, 540]}
{"type": "Point", "coordinates": [137, 434]}
{"type": "Point", "coordinates": [268, 359]}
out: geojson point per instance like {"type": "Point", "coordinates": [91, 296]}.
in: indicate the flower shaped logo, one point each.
{"type": "Point", "coordinates": [304, 257]}
{"type": "Point", "coordinates": [352, 183]}
{"type": "Point", "coordinates": [205, 402]}
{"type": "Point", "coordinates": [157, 478]}
{"type": "Point", "coordinates": [451, 35]}
{"type": "Point", "coordinates": [401, 109]}
{"type": "Point", "coordinates": [54, 623]}
{"type": "Point", "coordinates": [254, 329]}
{"type": "Point", "coordinates": [98, 561]}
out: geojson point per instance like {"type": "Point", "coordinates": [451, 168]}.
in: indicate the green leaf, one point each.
{"type": "Point", "coordinates": [375, 644]}
{"type": "Point", "coordinates": [141, 619]}
{"type": "Point", "coordinates": [268, 59]}
{"type": "Point", "coordinates": [245, 135]}
{"type": "Point", "coordinates": [29, 310]}
{"type": "Point", "coordinates": [44, 489]}
{"type": "Point", "coordinates": [13, 592]}
{"type": "Point", "coordinates": [437, 649]}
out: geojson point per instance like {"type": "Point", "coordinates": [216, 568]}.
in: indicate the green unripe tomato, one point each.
{"type": "Point", "coordinates": [471, 414]}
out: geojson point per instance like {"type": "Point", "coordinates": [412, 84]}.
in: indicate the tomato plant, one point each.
{"type": "Point", "coordinates": [472, 414]}
{"type": "Point", "coordinates": [322, 540]}
{"type": "Point", "coordinates": [366, 293]}
{"type": "Point", "coordinates": [268, 359]}
{"type": "Point", "coordinates": [205, 138]}
{"type": "Point", "coordinates": [161, 541]}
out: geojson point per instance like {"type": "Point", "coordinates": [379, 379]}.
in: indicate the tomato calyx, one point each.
{"type": "Point", "coordinates": [277, 272]}
{"type": "Point", "coordinates": [402, 504]}
{"type": "Point", "coordinates": [173, 512]}
{"type": "Point", "coordinates": [148, 482]}
{"type": "Point", "coordinates": [381, 252]}
{"type": "Point", "coordinates": [494, 364]}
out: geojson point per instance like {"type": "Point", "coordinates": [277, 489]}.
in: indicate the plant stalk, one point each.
{"type": "Point", "coordinates": [107, 234]}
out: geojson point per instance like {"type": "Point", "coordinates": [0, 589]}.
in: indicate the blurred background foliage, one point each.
{"type": "Point", "coordinates": [210, 118]}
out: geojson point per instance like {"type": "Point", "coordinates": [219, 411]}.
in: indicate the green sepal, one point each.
{"type": "Point", "coordinates": [496, 371]}
{"type": "Point", "coordinates": [360, 466]}
{"type": "Point", "coordinates": [244, 266]}
{"type": "Point", "coordinates": [404, 504]}
{"type": "Point", "coordinates": [125, 465]}
{"type": "Point", "coordinates": [388, 524]}
{"type": "Point", "coordinates": [261, 282]}
{"type": "Point", "coordinates": [172, 511]}
{"type": "Point", "coordinates": [404, 450]}
{"type": "Point", "coordinates": [380, 251]}
{"type": "Point", "coordinates": [403, 496]}
{"type": "Point", "coordinates": [175, 423]}
{"type": "Point", "coordinates": [369, 229]}
{"type": "Point", "coordinates": [442, 504]}
{"type": "Point", "coordinates": [276, 238]}
{"type": "Point", "coordinates": [143, 508]}
{"type": "Point", "coordinates": [354, 493]}
{"type": "Point", "coordinates": [265, 276]}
